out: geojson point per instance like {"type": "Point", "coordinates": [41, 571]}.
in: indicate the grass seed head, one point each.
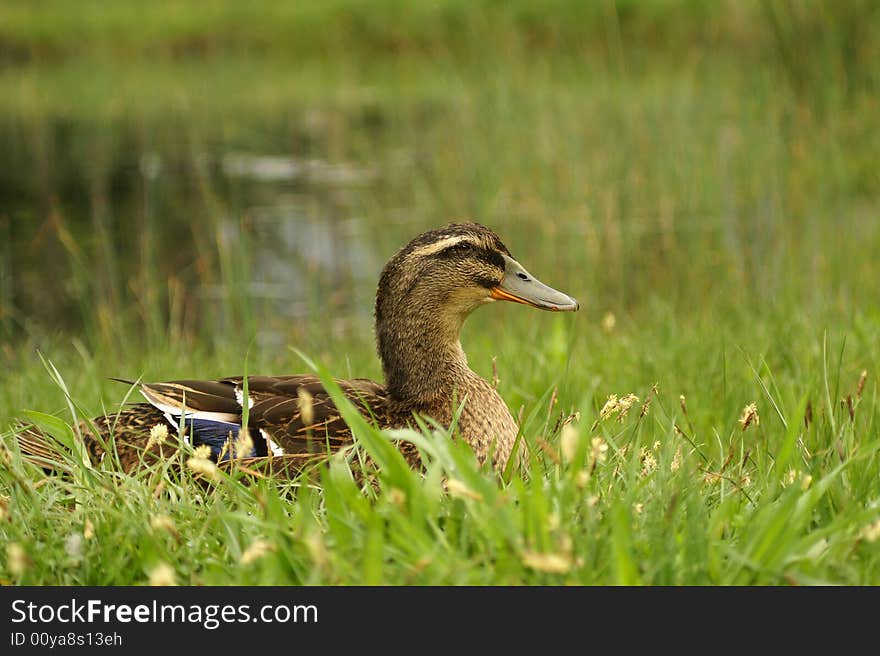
{"type": "Point", "coordinates": [88, 529]}
{"type": "Point", "coordinates": [749, 416]}
{"type": "Point", "coordinates": [649, 462]}
{"type": "Point", "coordinates": [598, 450]}
{"type": "Point", "coordinates": [163, 523]}
{"type": "Point", "coordinates": [617, 406]}
{"type": "Point", "coordinates": [609, 408]}
{"type": "Point", "coordinates": [459, 490]}
{"type": "Point", "coordinates": [609, 321]}
{"type": "Point", "coordinates": [397, 497]}
{"type": "Point", "coordinates": [244, 444]}
{"type": "Point", "coordinates": [861, 386]}
{"type": "Point", "coordinates": [17, 559]}
{"type": "Point", "coordinates": [158, 435]}
{"type": "Point", "coordinates": [847, 404]}
{"type": "Point", "coordinates": [675, 465]}
{"type": "Point", "coordinates": [162, 575]}
{"type": "Point", "coordinates": [305, 401]}
{"type": "Point", "coordinates": [568, 442]}
{"type": "Point", "coordinates": [625, 403]}
{"type": "Point", "coordinates": [871, 532]}
{"type": "Point", "coordinates": [256, 550]}
{"type": "Point", "coordinates": [204, 467]}
{"type": "Point", "coordinates": [551, 563]}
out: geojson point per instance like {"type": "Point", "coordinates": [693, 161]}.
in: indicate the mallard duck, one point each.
{"type": "Point", "coordinates": [425, 293]}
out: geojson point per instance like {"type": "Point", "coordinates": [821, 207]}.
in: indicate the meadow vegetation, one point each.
{"type": "Point", "coordinates": [703, 177]}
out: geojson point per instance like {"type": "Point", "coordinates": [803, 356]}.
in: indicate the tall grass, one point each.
{"type": "Point", "coordinates": [648, 497]}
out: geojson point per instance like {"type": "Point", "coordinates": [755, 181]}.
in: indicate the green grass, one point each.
{"type": "Point", "coordinates": [705, 173]}
{"type": "Point", "coordinates": [681, 497]}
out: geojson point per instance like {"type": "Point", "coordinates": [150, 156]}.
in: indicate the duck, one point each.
{"type": "Point", "coordinates": [425, 293]}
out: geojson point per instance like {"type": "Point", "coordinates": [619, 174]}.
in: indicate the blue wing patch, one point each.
{"type": "Point", "coordinates": [216, 434]}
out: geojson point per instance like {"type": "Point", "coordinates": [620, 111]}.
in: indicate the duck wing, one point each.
{"type": "Point", "coordinates": [287, 415]}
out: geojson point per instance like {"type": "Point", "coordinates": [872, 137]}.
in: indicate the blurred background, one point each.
{"type": "Point", "coordinates": [188, 175]}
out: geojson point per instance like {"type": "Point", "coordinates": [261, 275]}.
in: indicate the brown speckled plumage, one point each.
{"type": "Point", "coordinates": [425, 293]}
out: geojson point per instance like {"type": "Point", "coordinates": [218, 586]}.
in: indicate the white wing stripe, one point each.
{"type": "Point", "coordinates": [239, 397]}
{"type": "Point", "coordinates": [274, 448]}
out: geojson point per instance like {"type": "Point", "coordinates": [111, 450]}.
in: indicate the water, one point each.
{"type": "Point", "coordinates": [236, 230]}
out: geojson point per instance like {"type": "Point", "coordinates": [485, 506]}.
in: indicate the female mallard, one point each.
{"type": "Point", "coordinates": [425, 293]}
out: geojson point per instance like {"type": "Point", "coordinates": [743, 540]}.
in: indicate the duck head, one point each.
{"type": "Point", "coordinates": [428, 289]}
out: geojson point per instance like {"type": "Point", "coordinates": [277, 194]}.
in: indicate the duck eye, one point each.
{"type": "Point", "coordinates": [459, 248]}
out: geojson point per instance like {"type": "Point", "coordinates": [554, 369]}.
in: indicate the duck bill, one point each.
{"type": "Point", "coordinates": [519, 286]}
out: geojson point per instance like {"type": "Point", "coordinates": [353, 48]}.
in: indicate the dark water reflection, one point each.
{"type": "Point", "coordinates": [117, 224]}
{"type": "Point", "coordinates": [277, 227]}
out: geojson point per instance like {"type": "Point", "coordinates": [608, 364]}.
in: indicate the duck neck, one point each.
{"type": "Point", "coordinates": [421, 355]}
